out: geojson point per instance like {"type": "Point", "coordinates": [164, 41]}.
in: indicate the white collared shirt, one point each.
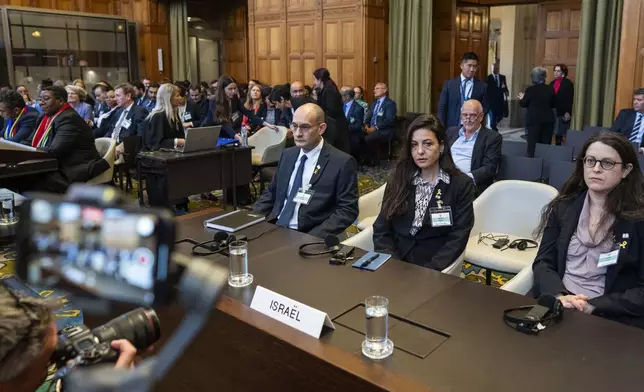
{"type": "Point", "coordinates": [469, 85]}
{"type": "Point", "coordinates": [310, 164]}
{"type": "Point", "coordinates": [462, 151]}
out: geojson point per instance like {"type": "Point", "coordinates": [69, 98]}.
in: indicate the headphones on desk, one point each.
{"type": "Point", "coordinates": [535, 318]}
{"type": "Point", "coordinates": [218, 244]}
{"type": "Point", "coordinates": [331, 242]}
{"type": "Point", "coordinates": [523, 244]}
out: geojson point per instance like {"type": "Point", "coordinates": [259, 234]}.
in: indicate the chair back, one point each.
{"type": "Point", "coordinates": [268, 145]}
{"type": "Point", "coordinates": [511, 207]}
{"type": "Point", "coordinates": [106, 148]}
{"type": "Point", "coordinates": [131, 147]}
{"type": "Point", "coordinates": [576, 139]}
{"type": "Point", "coordinates": [595, 130]}
{"type": "Point", "coordinates": [520, 168]}
{"type": "Point", "coordinates": [640, 159]}
{"type": "Point", "coordinates": [550, 154]}
{"type": "Point", "coordinates": [370, 204]}
{"type": "Point", "coordinates": [514, 148]}
{"type": "Point", "coordinates": [559, 173]}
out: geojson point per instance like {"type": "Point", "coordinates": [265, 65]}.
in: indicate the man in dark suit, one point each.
{"type": "Point", "coordinates": [458, 90]}
{"type": "Point", "coordinates": [354, 114]}
{"type": "Point", "coordinates": [100, 92]}
{"type": "Point", "coordinates": [630, 122]}
{"type": "Point", "coordinates": [150, 100]}
{"type": "Point", "coordinates": [64, 135]}
{"type": "Point", "coordinates": [497, 94]}
{"type": "Point", "coordinates": [198, 99]}
{"type": "Point", "coordinates": [126, 119]}
{"type": "Point", "coordinates": [281, 97]}
{"type": "Point", "coordinates": [476, 150]}
{"type": "Point", "coordinates": [19, 119]}
{"type": "Point", "coordinates": [139, 92]}
{"type": "Point", "coordinates": [380, 124]}
{"type": "Point", "coordinates": [268, 111]}
{"type": "Point", "coordinates": [315, 188]}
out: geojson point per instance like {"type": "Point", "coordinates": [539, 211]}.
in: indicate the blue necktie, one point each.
{"type": "Point", "coordinates": [636, 129]}
{"type": "Point", "coordinates": [289, 208]}
{"type": "Point", "coordinates": [374, 115]}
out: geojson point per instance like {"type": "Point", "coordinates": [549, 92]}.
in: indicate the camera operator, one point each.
{"type": "Point", "coordinates": [28, 338]}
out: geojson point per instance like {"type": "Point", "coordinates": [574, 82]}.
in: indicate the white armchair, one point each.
{"type": "Point", "coordinates": [511, 208]}
{"type": "Point", "coordinates": [106, 147]}
{"type": "Point", "coordinates": [521, 283]}
{"type": "Point", "coordinates": [268, 145]}
{"type": "Point", "coordinates": [369, 207]}
{"type": "Point", "coordinates": [364, 241]}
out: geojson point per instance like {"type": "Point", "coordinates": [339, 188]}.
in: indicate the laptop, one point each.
{"type": "Point", "coordinates": [198, 139]}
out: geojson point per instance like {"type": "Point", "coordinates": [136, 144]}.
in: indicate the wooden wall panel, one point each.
{"type": "Point", "coordinates": [558, 35]}
{"type": "Point", "coordinates": [630, 72]}
{"type": "Point", "coordinates": [443, 46]}
{"type": "Point", "coordinates": [236, 43]}
{"type": "Point", "coordinates": [472, 36]}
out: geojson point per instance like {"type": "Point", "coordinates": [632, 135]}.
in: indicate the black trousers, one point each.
{"type": "Point", "coordinates": [539, 133]}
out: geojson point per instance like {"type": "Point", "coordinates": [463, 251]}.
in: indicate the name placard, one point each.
{"type": "Point", "coordinates": [290, 312]}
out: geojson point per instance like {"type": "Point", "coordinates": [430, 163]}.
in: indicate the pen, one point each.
{"type": "Point", "coordinates": [366, 263]}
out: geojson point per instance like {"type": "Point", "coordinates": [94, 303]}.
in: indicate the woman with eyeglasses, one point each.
{"type": "Point", "coordinates": [427, 212]}
{"type": "Point", "coordinates": [592, 250]}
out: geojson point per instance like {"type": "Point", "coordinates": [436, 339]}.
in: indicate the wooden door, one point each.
{"type": "Point", "coordinates": [472, 36]}
{"type": "Point", "coordinates": [558, 35]}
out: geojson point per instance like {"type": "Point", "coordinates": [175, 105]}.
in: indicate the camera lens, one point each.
{"type": "Point", "coordinates": [140, 326]}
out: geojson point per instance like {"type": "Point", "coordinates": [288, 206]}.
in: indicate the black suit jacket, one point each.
{"type": "Point", "coordinates": [25, 127]}
{"type": "Point", "coordinates": [160, 133]}
{"type": "Point", "coordinates": [100, 109]}
{"type": "Point", "coordinates": [434, 248]}
{"type": "Point", "coordinates": [136, 115]}
{"type": "Point", "coordinates": [70, 141]}
{"type": "Point", "coordinates": [355, 119]}
{"type": "Point", "coordinates": [334, 204]}
{"type": "Point", "coordinates": [286, 118]}
{"type": "Point", "coordinates": [330, 101]}
{"type": "Point", "coordinates": [449, 104]}
{"type": "Point", "coordinates": [263, 113]}
{"type": "Point", "coordinates": [385, 118]}
{"type": "Point", "coordinates": [202, 105]}
{"type": "Point", "coordinates": [625, 122]}
{"type": "Point", "coordinates": [539, 99]}
{"type": "Point", "coordinates": [237, 110]}
{"type": "Point", "coordinates": [623, 298]}
{"type": "Point", "coordinates": [564, 98]}
{"type": "Point", "coordinates": [192, 114]}
{"type": "Point", "coordinates": [496, 94]}
{"type": "Point", "coordinates": [486, 155]}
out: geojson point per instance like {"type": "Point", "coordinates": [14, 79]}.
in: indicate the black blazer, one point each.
{"type": "Point", "coordinates": [625, 122]}
{"type": "Point", "coordinates": [623, 298]}
{"type": "Point", "coordinates": [136, 115]}
{"type": "Point", "coordinates": [71, 143]}
{"type": "Point", "coordinates": [355, 119]}
{"type": "Point", "coordinates": [330, 101]}
{"type": "Point", "coordinates": [434, 248]}
{"type": "Point", "coordinates": [24, 127]}
{"type": "Point", "coordinates": [334, 204]}
{"type": "Point", "coordinates": [100, 109]}
{"type": "Point", "coordinates": [192, 114]}
{"type": "Point", "coordinates": [202, 105]}
{"type": "Point", "coordinates": [486, 155]}
{"type": "Point", "coordinates": [263, 113]}
{"type": "Point", "coordinates": [230, 129]}
{"type": "Point", "coordinates": [539, 99]}
{"type": "Point", "coordinates": [496, 94]}
{"type": "Point", "coordinates": [564, 98]}
{"type": "Point", "coordinates": [160, 133]}
{"type": "Point", "coordinates": [385, 118]}
{"type": "Point", "coordinates": [449, 104]}
{"type": "Point", "coordinates": [287, 117]}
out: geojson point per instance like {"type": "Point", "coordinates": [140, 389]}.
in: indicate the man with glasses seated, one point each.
{"type": "Point", "coordinates": [315, 188]}
{"type": "Point", "coordinates": [476, 149]}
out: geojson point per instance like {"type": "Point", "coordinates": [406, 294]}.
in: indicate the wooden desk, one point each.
{"type": "Point", "coordinates": [243, 350]}
{"type": "Point", "coordinates": [194, 173]}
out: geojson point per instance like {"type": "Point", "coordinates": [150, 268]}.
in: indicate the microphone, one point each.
{"type": "Point", "coordinates": [332, 242]}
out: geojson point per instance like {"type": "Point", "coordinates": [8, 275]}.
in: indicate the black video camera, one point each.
{"type": "Point", "coordinates": [140, 327]}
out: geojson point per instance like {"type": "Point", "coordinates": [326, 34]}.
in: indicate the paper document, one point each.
{"type": "Point", "coordinates": [7, 145]}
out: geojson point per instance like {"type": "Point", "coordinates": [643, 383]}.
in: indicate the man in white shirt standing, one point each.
{"type": "Point", "coordinates": [476, 150]}
{"type": "Point", "coordinates": [315, 188]}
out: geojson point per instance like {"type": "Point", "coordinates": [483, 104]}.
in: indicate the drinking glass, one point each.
{"type": "Point", "coordinates": [238, 258]}
{"type": "Point", "coordinates": [8, 210]}
{"type": "Point", "coordinates": [376, 344]}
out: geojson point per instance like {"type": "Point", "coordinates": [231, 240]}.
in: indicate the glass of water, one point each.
{"type": "Point", "coordinates": [376, 344]}
{"type": "Point", "coordinates": [238, 275]}
{"type": "Point", "coordinates": [8, 210]}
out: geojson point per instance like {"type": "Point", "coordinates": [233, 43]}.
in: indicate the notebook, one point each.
{"type": "Point", "coordinates": [378, 260]}
{"type": "Point", "coordinates": [234, 220]}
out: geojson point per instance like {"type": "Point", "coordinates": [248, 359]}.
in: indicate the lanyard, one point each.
{"type": "Point", "coordinates": [464, 89]}
{"type": "Point", "coordinates": [10, 131]}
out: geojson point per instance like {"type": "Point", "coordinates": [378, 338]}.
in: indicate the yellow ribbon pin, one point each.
{"type": "Point", "coordinates": [623, 244]}
{"type": "Point", "coordinates": [438, 193]}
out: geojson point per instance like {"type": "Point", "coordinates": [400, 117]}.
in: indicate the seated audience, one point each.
{"type": "Point", "coordinates": [19, 119]}
{"type": "Point", "coordinates": [460, 89]}
{"type": "Point", "coordinates": [254, 103]}
{"type": "Point", "coordinates": [188, 111]}
{"type": "Point", "coordinates": [270, 113]}
{"type": "Point", "coordinates": [281, 96]}
{"type": "Point", "coordinates": [100, 92]}
{"type": "Point", "coordinates": [24, 91]}
{"type": "Point", "coordinates": [380, 123]}
{"type": "Point", "coordinates": [539, 99]}
{"type": "Point", "coordinates": [64, 135]}
{"type": "Point", "coordinates": [125, 120]}
{"type": "Point", "coordinates": [88, 98]}
{"type": "Point", "coordinates": [298, 90]}
{"type": "Point", "coordinates": [111, 99]}
{"type": "Point", "coordinates": [425, 184]}
{"type": "Point", "coordinates": [198, 98]}
{"type": "Point", "coordinates": [630, 122]}
{"type": "Point", "coordinates": [354, 114]}
{"type": "Point", "coordinates": [227, 110]}
{"type": "Point", "coordinates": [476, 150]}
{"type": "Point", "coordinates": [139, 93]}
{"type": "Point", "coordinates": [76, 99]}
{"type": "Point", "coordinates": [359, 94]}
{"type": "Point", "coordinates": [332, 134]}
{"type": "Point", "coordinates": [314, 168]}
{"type": "Point", "coordinates": [43, 83]}
{"type": "Point", "coordinates": [150, 100]}
{"type": "Point", "coordinates": [591, 254]}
